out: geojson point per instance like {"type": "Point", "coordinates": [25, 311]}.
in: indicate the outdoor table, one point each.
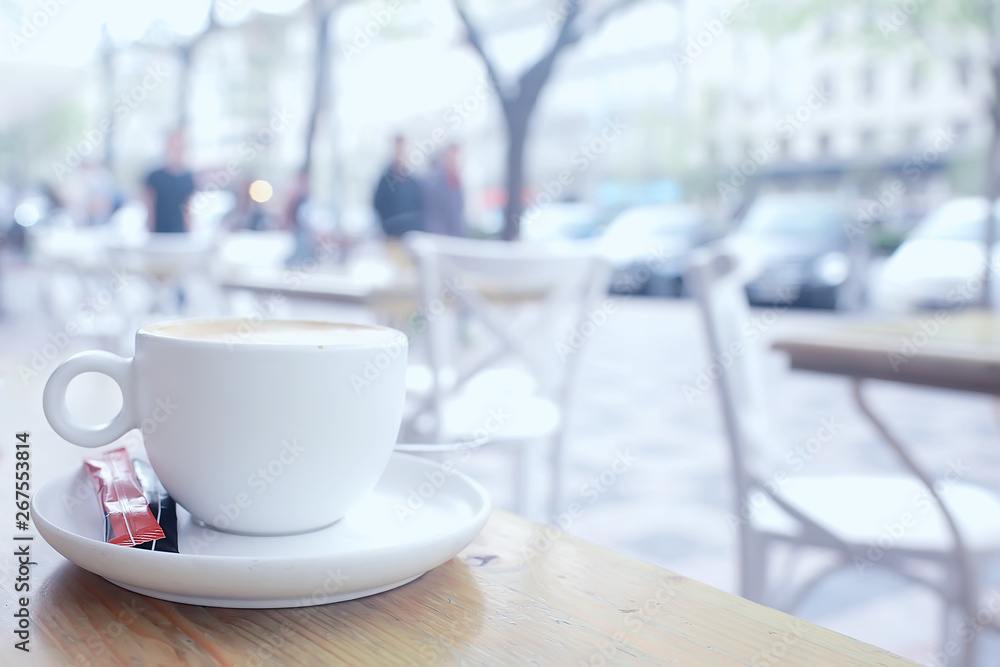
{"type": "Point", "coordinates": [392, 299]}
{"type": "Point", "coordinates": [334, 287]}
{"type": "Point", "coordinates": [520, 593]}
{"type": "Point", "coordinates": [949, 349]}
{"type": "Point", "coordinates": [954, 350]}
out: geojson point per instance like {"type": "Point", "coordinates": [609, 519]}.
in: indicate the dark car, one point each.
{"type": "Point", "coordinates": [648, 247]}
{"type": "Point", "coordinates": [800, 250]}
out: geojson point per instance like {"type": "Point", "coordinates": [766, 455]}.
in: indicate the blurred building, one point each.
{"type": "Point", "coordinates": [847, 102]}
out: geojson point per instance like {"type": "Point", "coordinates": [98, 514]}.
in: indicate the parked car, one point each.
{"type": "Point", "coordinates": [801, 252]}
{"type": "Point", "coordinates": [560, 222]}
{"type": "Point", "coordinates": [648, 247]}
{"type": "Point", "coordinates": [941, 263]}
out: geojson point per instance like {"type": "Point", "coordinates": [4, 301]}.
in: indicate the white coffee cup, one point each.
{"type": "Point", "coordinates": [261, 428]}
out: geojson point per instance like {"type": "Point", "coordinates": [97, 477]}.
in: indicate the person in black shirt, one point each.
{"type": "Point", "coordinates": [168, 190]}
{"type": "Point", "coordinates": [399, 197]}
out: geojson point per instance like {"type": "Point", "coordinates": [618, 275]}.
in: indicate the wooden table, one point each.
{"type": "Point", "coordinates": [954, 350]}
{"type": "Point", "coordinates": [521, 593]}
{"type": "Point", "coordinates": [571, 603]}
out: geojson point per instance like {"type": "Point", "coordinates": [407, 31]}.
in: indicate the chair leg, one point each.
{"type": "Point", "coordinates": [753, 565]}
{"type": "Point", "coordinates": [959, 625]}
{"type": "Point", "coordinates": [520, 477]}
{"type": "Point", "coordinates": [555, 476]}
{"type": "Point", "coordinates": [953, 651]}
{"type": "Point", "coordinates": [959, 646]}
{"type": "Point", "coordinates": [996, 409]}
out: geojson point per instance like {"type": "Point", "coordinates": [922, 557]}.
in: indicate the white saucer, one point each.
{"type": "Point", "coordinates": [418, 517]}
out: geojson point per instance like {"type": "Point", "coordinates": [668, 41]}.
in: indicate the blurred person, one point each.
{"type": "Point", "coordinates": [294, 214]}
{"type": "Point", "coordinates": [237, 217]}
{"type": "Point", "coordinates": [399, 197]}
{"type": "Point", "coordinates": [168, 190]}
{"type": "Point", "coordinates": [445, 201]}
{"type": "Point", "coordinates": [294, 218]}
{"type": "Point", "coordinates": [104, 197]}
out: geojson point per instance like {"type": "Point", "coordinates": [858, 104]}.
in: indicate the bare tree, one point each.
{"type": "Point", "coordinates": [519, 99]}
{"type": "Point", "coordinates": [185, 53]}
{"type": "Point", "coordinates": [323, 13]}
{"type": "Point", "coordinates": [990, 17]}
{"type": "Point", "coordinates": [108, 81]}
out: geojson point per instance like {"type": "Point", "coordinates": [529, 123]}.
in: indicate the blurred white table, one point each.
{"type": "Point", "coordinates": [391, 297]}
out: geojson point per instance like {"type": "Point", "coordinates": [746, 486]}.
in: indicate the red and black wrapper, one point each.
{"type": "Point", "coordinates": [161, 506]}
{"type": "Point", "coordinates": [127, 519]}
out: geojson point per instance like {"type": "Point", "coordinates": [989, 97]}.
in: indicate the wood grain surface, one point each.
{"type": "Point", "coordinates": [953, 350]}
{"type": "Point", "coordinates": [520, 594]}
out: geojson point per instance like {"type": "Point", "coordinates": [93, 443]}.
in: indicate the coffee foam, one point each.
{"type": "Point", "coordinates": [275, 332]}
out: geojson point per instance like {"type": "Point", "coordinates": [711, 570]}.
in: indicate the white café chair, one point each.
{"type": "Point", "coordinates": [79, 290]}
{"type": "Point", "coordinates": [843, 514]}
{"type": "Point", "coordinates": [523, 300]}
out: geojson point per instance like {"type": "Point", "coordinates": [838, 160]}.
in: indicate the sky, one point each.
{"type": "Point", "coordinates": [67, 33]}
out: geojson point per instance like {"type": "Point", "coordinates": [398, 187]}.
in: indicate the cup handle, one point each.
{"type": "Point", "coordinates": [54, 398]}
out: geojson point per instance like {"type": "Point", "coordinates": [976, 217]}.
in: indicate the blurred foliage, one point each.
{"type": "Point", "coordinates": [885, 241]}
{"type": "Point", "coordinates": [966, 173]}
{"type": "Point", "coordinates": [25, 146]}
{"type": "Point", "coordinates": [929, 20]}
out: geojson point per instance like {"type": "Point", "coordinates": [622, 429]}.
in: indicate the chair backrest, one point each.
{"type": "Point", "coordinates": [519, 293]}
{"type": "Point", "coordinates": [735, 366]}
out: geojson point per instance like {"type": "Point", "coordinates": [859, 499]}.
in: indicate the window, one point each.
{"type": "Point", "coordinates": [713, 104]}
{"type": "Point", "coordinates": [868, 82]}
{"type": "Point", "coordinates": [825, 83]}
{"type": "Point", "coordinates": [828, 28]}
{"type": "Point", "coordinates": [963, 72]}
{"type": "Point", "coordinates": [918, 77]}
{"type": "Point", "coordinates": [867, 140]}
{"type": "Point", "coordinates": [823, 144]}
{"type": "Point", "coordinates": [961, 130]}
{"type": "Point", "coordinates": [870, 17]}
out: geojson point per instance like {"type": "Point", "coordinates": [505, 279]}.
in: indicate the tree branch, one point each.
{"type": "Point", "coordinates": [475, 39]}
{"type": "Point", "coordinates": [569, 33]}
{"type": "Point", "coordinates": [566, 29]}
{"type": "Point", "coordinates": [576, 32]}
{"type": "Point", "coordinates": [213, 25]}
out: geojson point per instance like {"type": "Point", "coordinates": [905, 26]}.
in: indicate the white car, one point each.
{"type": "Point", "coordinates": [648, 247]}
{"type": "Point", "coordinates": [942, 262]}
{"type": "Point", "coordinates": [559, 222]}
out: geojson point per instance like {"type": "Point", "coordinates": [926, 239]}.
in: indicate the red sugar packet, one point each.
{"type": "Point", "coordinates": [127, 519]}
